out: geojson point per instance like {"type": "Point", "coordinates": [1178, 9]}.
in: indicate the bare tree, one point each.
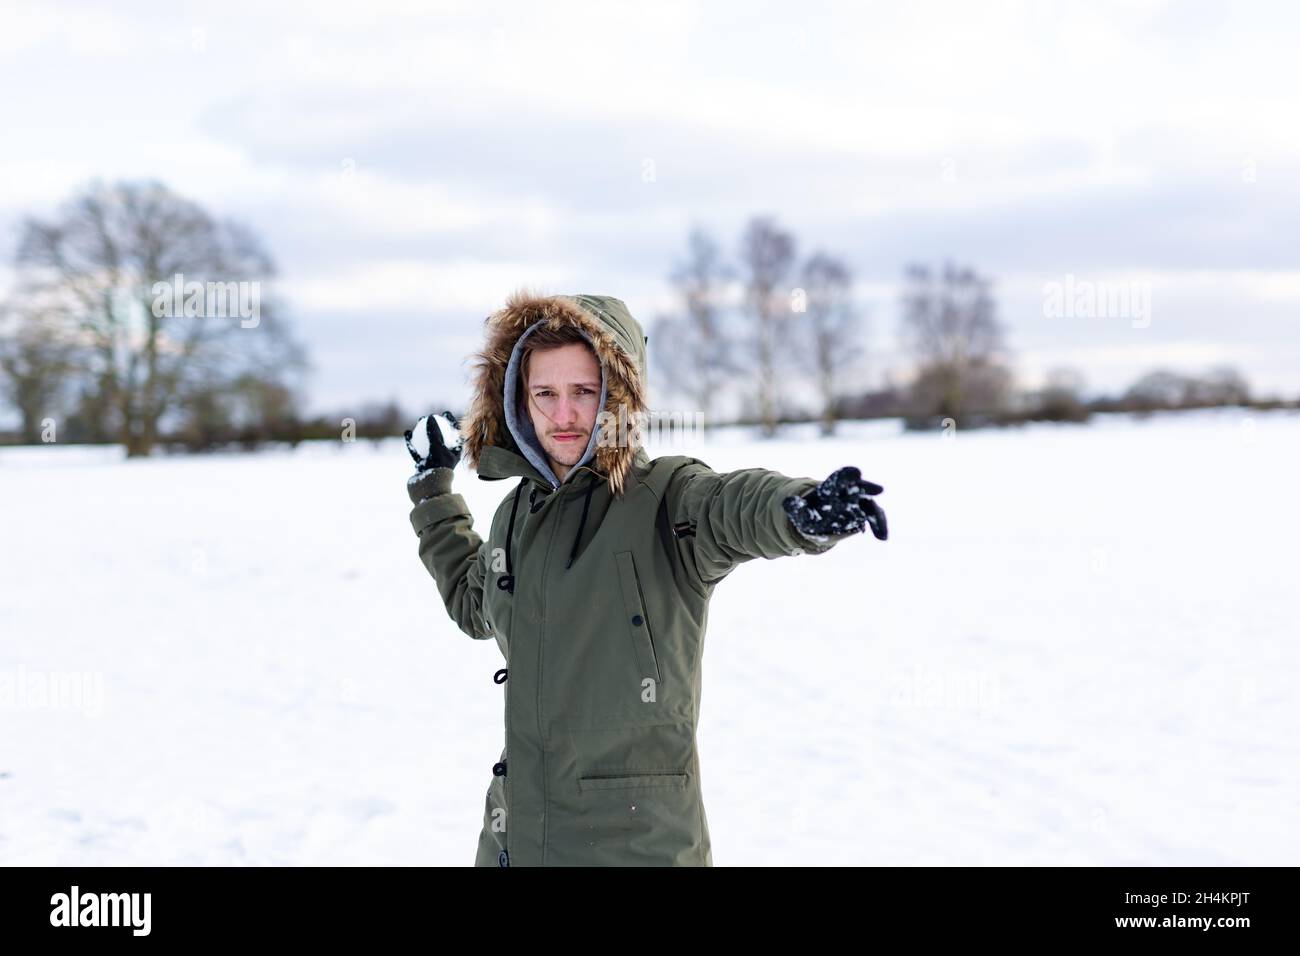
{"type": "Point", "coordinates": [949, 323]}
{"type": "Point", "coordinates": [1061, 397]}
{"type": "Point", "coordinates": [35, 364]}
{"type": "Point", "coordinates": [1222, 385]}
{"type": "Point", "coordinates": [833, 328]}
{"type": "Point", "coordinates": [767, 254]}
{"type": "Point", "coordinates": [97, 270]}
{"type": "Point", "coordinates": [1158, 389]}
{"type": "Point", "coordinates": [1166, 389]}
{"type": "Point", "coordinates": [691, 348]}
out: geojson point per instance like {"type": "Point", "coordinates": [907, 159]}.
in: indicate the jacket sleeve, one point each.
{"type": "Point", "coordinates": [722, 520]}
{"type": "Point", "coordinates": [450, 550]}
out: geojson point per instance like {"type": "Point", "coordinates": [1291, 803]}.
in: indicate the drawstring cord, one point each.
{"type": "Point", "coordinates": [586, 501]}
{"type": "Point", "coordinates": [507, 581]}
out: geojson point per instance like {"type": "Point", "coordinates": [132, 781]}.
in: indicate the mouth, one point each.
{"type": "Point", "coordinates": [566, 436]}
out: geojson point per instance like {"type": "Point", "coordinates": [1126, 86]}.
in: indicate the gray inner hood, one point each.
{"type": "Point", "coordinates": [521, 426]}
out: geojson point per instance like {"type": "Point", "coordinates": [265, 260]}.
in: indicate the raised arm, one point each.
{"type": "Point", "coordinates": [450, 550]}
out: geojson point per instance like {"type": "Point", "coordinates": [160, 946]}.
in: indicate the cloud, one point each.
{"type": "Point", "coordinates": [460, 284]}
{"type": "Point", "coordinates": [407, 159]}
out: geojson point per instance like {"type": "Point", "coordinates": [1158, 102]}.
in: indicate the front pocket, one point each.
{"type": "Point", "coordinates": [645, 815]}
{"type": "Point", "coordinates": [634, 612]}
{"type": "Point", "coordinates": [652, 780]}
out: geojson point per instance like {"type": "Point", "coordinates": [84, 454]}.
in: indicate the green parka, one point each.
{"type": "Point", "coordinates": [596, 589]}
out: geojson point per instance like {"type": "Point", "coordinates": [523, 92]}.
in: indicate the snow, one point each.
{"type": "Point", "coordinates": [450, 433]}
{"type": "Point", "coordinates": [1078, 646]}
{"type": "Point", "coordinates": [420, 437]}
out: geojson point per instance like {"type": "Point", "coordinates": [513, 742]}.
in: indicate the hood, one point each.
{"type": "Point", "coordinates": [499, 443]}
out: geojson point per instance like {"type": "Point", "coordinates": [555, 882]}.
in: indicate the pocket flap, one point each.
{"type": "Point", "coordinates": [634, 608]}
{"type": "Point", "coordinates": [671, 780]}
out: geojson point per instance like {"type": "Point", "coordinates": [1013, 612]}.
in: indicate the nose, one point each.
{"type": "Point", "coordinates": [566, 413]}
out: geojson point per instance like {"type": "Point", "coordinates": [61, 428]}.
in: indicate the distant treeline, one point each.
{"type": "Point", "coordinates": [219, 433]}
{"type": "Point", "coordinates": [1156, 391]}
{"type": "Point", "coordinates": [760, 325]}
{"type": "Point", "coordinates": [138, 318]}
{"type": "Point", "coordinates": [1061, 400]}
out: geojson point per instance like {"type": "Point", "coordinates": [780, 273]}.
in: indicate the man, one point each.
{"type": "Point", "coordinates": [596, 584]}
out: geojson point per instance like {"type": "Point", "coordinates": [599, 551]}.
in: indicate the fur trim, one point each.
{"type": "Point", "coordinates": [485, 422]}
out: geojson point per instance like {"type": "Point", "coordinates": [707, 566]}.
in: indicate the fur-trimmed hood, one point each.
{"type": "Point", "coordinates": [497, 445]}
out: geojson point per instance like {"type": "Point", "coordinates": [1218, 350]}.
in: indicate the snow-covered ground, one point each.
{"type": "Point", "coordinates": [1079, 646]}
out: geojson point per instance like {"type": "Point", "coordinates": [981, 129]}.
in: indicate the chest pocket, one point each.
{"type": "Point", "coordinates": [635, 619]}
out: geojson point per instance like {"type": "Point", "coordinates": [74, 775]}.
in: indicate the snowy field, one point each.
{"type": "Point", "coordinates": [1079, 646]}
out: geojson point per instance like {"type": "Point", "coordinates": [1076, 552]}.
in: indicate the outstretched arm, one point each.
{"type": "Point", "coordinates": [722, 520]}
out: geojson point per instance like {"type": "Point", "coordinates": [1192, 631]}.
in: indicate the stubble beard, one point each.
{"type": "Point", "coordinates": [567, 453]}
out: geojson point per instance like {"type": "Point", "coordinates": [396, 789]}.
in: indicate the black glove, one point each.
{"type": "Point", "coordinates": [839, 505]}
{"type": "Point", "coordinates": [426, 444]}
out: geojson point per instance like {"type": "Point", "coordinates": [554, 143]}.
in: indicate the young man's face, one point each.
{"type": "Point", "coordinates": [563, 394]}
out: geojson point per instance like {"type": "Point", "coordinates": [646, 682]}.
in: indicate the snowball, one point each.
{"type": "Point", "coordinates": [420, 438]}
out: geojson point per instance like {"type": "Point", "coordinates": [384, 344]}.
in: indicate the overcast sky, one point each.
{"type": "Point", "coordinates": [409, 164]}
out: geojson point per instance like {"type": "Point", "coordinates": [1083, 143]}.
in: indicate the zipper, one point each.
{"type": "Point", "coordinates": [509, 785]}
{"type": "Point", "coordinates": [541, 654]}
{"type": "Point", "coordinates": [508, 789]}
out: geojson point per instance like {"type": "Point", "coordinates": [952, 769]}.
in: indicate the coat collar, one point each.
{"type": "Point", "coordinates": [496, 463]}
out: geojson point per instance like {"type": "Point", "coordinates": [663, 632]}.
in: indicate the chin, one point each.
{"type": "Point", "coordinates": [568, 452]}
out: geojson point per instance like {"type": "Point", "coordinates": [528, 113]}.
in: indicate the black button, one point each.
{"type": "Point", "coordinates": [503, 858]}
{"type": "Point", "coordinates": [499, 769]}
{"type": "Point", "coordinates": [506, 583]}
{"type": "Point", "coordinates": [499, 677]}
{"type": "Point", "coordinates": [637, 620]}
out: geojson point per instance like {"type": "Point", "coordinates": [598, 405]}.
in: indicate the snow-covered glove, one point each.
{"type": "Point", "coordinates": [841, 504]}
{"type": "Point", "coordinates": [431, 444]}
{"type": "Point", "coordinates": [435, 447]}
